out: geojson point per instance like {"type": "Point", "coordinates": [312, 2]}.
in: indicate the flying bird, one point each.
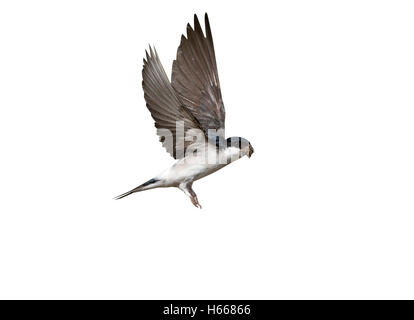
{"type": "Point", "coordinates": [189, 113]}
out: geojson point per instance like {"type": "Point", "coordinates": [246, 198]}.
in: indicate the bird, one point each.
{"type": "Point", "coordinates": [189, 113]}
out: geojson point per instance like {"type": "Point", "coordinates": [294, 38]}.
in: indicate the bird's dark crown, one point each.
{"type": "Point", "coordinates": [237, 142]}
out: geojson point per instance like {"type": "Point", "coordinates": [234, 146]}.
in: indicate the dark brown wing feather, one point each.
{"type": "Point", "coordinates": [195, 77]}
{"type": "Point", "coordinates": [165, 106]}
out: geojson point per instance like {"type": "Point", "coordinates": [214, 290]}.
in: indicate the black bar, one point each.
{"type": "Point", "coordinates": [205, 309]}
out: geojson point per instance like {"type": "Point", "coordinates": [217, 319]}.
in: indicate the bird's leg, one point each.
{"type": "Point", "coordinates": [194, 199]}
{"type": "Point", "coordinates": [187, 189]}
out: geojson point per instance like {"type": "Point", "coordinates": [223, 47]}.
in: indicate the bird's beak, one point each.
{"type": "Point", "coordinates": [251, 150]}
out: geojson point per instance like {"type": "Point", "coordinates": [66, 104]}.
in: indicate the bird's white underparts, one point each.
{"type": "Point", "coordinates": [189, 114]}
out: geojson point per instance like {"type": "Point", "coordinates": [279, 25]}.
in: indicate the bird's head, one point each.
{"type": "Point", "coordinates": [244, 145]}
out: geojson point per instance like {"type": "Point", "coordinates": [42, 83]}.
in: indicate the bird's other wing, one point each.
{"type": "Point", "coordinates": [166, 108]}
{"type": "Point", "coordinates": [195, 77]}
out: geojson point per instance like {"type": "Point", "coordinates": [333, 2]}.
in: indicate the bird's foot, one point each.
{"type": "Point", "coordinates": [195, 202]}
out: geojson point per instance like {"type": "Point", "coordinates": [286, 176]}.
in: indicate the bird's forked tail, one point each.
{"type": "Point", "coordinates": [145, 186]}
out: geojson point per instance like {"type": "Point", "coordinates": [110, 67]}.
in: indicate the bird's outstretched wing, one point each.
{"type": "Point", "coordinates": [166, 108]}
{"type": "Point", "coordinates": [195, 77]}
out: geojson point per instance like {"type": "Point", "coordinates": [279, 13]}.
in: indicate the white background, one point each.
{"type": "Point", "coordinates": [324, 208]}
